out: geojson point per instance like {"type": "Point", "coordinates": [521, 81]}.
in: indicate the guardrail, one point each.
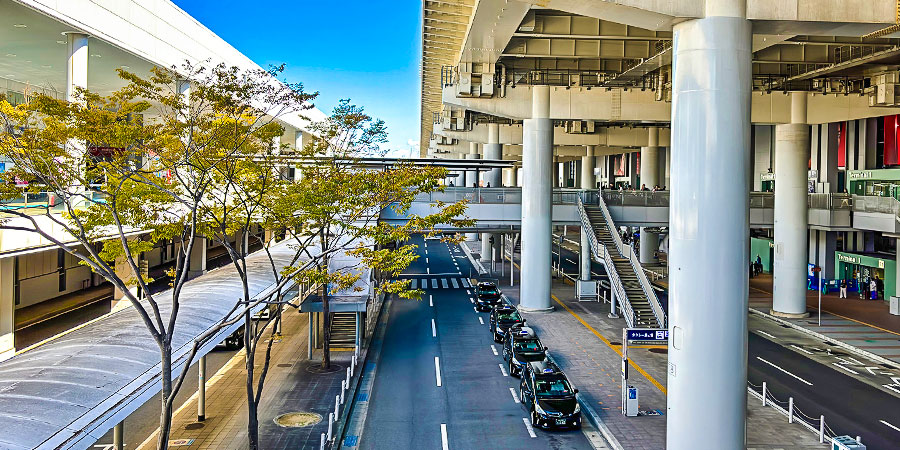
{"type": "Point", "coordinates": [602, 253]}
{"type": "Point", "coordinates": [494, 195]}
{"type": "Point", "coordinates": [876, 204]}
{"type": "Point", "coordinates": [628, 252]}
{"type": "Point", "coordinates": [38, 203]}
{"type": "Point", "coordinates": [757, 199]}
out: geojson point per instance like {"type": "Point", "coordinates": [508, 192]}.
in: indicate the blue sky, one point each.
{"type": "Point", "coordinates": [362, 50]}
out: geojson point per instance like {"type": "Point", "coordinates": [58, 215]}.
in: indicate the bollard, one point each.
{"type": "Point", "coordinates": [337, 404]}
{"type": "Point", "coordinates": [764, 393]}
{"type": "Point", "coordinates": [791, 410]}
{"type": "Point", "coordinates": [821, 429]}
{"type": "Point", "coordinates": [348, 376]}
{"type": "Point", "coordinates": [353, 364]}
{"type": "Point", "coordinates": [330, 424]}
{"type": "Point", "coordinates": [322, 442]}
{"type": "Point", "coordinates": [343, 389]}
{"type": "Point", "coordinates": [858, 440]}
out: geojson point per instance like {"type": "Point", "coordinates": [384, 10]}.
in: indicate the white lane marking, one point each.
{"type": "Point", "coordinates": [494, 349]}
{"type": "Point", "coordinates": [515, 396]}
{"type": "Point", "coordinates": [426, 251]}
{"type": "Point", "coordinates": [426, 260]}
{"type": "Point", "coordinates": [415, 283]}
{"type": "Point", "coordinates": [848, 370]}
{"type": "Point", "coordinates": [434, 283]}
{"type": "Point", "coordinates": [430, 300]}
{"type": "Point", "coordinates": [465, 283]}
{"type": "Point", "coordinates": [437, 370]}
{"type": "Point", "coordinates": [428, 270]}
{"type": "Point", "coordinates": [444, 283]}
{"type": "Point", "coordinates": [785, 371]}
{"type": "Point", "coordinates": [767, 334]}
{"type": "Point", "coordinates": [528, 427]}
{"type": "Point", "coordinates": [454, 283]}
{"type": "Point", "coordinates": [433, 329]}
{"type": "Point", "coordinates": [444, 444]}
{"type": "Point", "coordinates": [480, 320]}
{"type": "Point", "coordinates": [569, 260]}
{"type": "Point", "coordinates": [503, 370]}
{"type": "Point", "coordinates": [802, 349]}
{"type": "Point", "coordinates": [892, 426]}
{"type": "Point", "coordinates": [471, 300]}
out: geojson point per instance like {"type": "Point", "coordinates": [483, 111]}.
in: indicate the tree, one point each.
{"type": "Point", "coordinates": [156, 181]}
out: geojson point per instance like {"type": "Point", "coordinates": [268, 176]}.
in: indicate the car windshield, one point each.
{"type": "Point", "coordinates": [529, 345]}
{"type": "Point", "coordinates": [487, 290]}
{"type": "Point", "coordinates": [513, 315]}
{"type": "Point", "coordinates": [552, 387]}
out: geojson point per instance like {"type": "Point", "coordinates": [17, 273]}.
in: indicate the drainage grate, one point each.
{"type": "Point", "coordinates": [614, 343]}
{"type": "Point", "coordinates": [285, 365]}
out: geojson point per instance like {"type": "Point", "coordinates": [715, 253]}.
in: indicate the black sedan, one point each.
{"type": "Point", "coordinates": [546, 393]}
{"type": "Point", "coordinates": [486, 296]}
{"type": "Point", "coordinates": [521, 346]}
{"type": "Point", "coordinates": [503, 317]}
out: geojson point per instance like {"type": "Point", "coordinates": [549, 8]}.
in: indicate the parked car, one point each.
{"type": "Point", "coordinates": [234, 341]}
{"type": "Point", "coordinates": [503, 317]}
{"type": "Point", "coordinates": [487, 295]}
{"type": "Point", "coordinates": [522, 346]}
{"type": "Point", "coordinates": [549, 397]}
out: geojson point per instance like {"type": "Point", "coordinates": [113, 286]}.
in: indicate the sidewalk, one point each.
{"type": "Point", "coordinates": [864, 324]}
{"type": "Point", "coordinates": [293, 384]}
{"type": "Point", "coordinates": [586, 343]}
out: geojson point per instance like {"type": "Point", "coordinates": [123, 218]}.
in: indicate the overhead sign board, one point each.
{"type": "Point", "coordinates": [646, 336]}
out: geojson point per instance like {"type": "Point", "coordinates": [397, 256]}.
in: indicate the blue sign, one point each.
{"type": "Point", "coordinates": [647, 335]}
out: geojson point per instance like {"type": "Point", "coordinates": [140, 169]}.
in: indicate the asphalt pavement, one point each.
{"type": "Point", "coordinates": [851, 405]}
{"type": "Point", "coordinates": [442, 386]}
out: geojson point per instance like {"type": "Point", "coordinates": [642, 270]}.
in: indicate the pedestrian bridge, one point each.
{"type": "Point", "coordinates": [501, 208]}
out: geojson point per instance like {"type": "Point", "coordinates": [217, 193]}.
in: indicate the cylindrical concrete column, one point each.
{"type": "Point", "coordinates": [556, 170]}
{"type": "Point", "coordinates": [791, 217]}
{"type": "Point", "coordinates": [486, 248]}
{"type": "Point", "coordinates": [709, 240]}
{"type": "Point", "coordinates": [584, 274]}
{"type": "Point", "coordinates": [588, 181]}
{"type": "Point", "coordinates": [649, 246]}
{"type": "Point", "coordinates": [650, 159]}
{"type": "Point", "coordinates": [77, 63]}
{"type": "Point", "coordinates": [510, 176]}
{"type": "Point", "coordinates": [537, 162]}
{"type": "Point", "coordinates": [493, 150]}
{"type": "Point", "coordinates": [472, 174]}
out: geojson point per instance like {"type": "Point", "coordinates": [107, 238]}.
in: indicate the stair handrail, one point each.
{"type": "Point", "coordinates": [627, 251]}
{"type": "Point", "coordinates": [602, 253]}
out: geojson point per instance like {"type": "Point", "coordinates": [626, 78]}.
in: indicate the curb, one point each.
{"type": "Point", "coordinates": [476, 263]}
{"type": "Point", "coordinates": [855, 350]}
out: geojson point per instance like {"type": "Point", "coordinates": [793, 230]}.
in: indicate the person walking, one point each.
{"type": "Point", "coordinates": [843, 285]}
{"type": "Point", "coordinates": [873, 288]}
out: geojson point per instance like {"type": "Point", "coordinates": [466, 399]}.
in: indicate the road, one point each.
{"type": "Point", "coordinates": [473, 407]}
{"type": "Point", "coordinates": [851, 405]}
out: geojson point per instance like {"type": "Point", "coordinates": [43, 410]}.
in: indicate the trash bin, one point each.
{"type": "Point", "coordinates": [846, 443]}
{"type": "Point", "coordinates": [895, 306]}
{"type": "Point", "coordinates": [631, 401]}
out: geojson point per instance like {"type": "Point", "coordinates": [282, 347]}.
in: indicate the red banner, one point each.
{"type": "Point", "coordinates": [842, 145]}
{"type": "Point", "coordinates": [890, 140]}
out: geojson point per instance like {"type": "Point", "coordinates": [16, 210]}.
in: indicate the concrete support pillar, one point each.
{"type": "Point", "coordinates": [198, 258]}
{"type": "Point", "coordinates": [649, 245]}
{"type": "Point", "coordinates": [493, 150]}
{"type": "Point", "coordinates": [791, 219]}
{"type": "Point", "coordinates": [77, 63]}
{"type": "Point", "coordinates": [510, 177]}
{"type": "Point", "coordinates": [585, 254]}
{"type": "Point", "coordinates": [7, 307]}
{"type": "Point", "coordinates": [126, 274]}
{"type": "Point", "coordinates": [201, 389]}
{"type": "Point", "coordinates": [310, 339]}
{"type": "Point", "coordinates": [709, 237]}
{"type": "Point", "coordinates": [537, 162]}
{"type": "Point", "coordinates": [633, 170]}
{"type": "Point", "coordinates": [486, 247]}
{"type": "Point", "coordinates": [557, 173]}
{"type": "Point", "coordinates": [472, 174]}
{"type": "Point", "coordinates": [650, 160]}
{"type": "Point", "coordinates": [588, 181]}
{"type": "Point", "coordinates": [611, 169]}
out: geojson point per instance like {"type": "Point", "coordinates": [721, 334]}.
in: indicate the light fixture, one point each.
{"type": "Point", "coordinates": [96, 55]}
{"type": "Point", "coordinates": [61, 42]}
{"type": "Point", "coordinates": [10, 55]}
{"type": "Point", "coordinates": [124, 67]}
{"type": "Point", "coordinates": [47, 66]}
{"type": "Point", "coordinates": [20, 25]}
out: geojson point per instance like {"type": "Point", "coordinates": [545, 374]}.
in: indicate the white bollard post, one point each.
{"type": "Point", "coordinates": [348, 376]}
{"type": "Point", "coordinates": [764, 393]}
{"type": "Point", "coordinates": [791, 410]}
{"type": "Point", "coordinates": [343, 389]}
{"type": "Point", "coordinates": [322, 442]}
{"type": "Point", "coordinates": [821, 429]}
{"type": "Point", "coordinates": [330, 425]}
{"type": "Point", "coordinates": [858, 440]}
{"type": "Point", "coordinates": [337, 404]}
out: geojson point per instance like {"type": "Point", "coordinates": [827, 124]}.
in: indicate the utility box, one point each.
{"type": "Point", "coordinates": [895, 306]}
{"type": "Point", "coordinates": [846, 443]}
{"type": "Point", "coordinates": [631, 401]}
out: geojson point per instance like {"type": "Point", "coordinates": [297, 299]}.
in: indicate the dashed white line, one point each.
{"type": "Point", "coordinates": [569, 260]}
{"type": "Point", "coordinates": [428, 270]}
{"type": "Point", "coordinates": [503, 370]}
{"type": "Point", "coordinates": [430, 300]}
{"type": "Point", "coordinates": [471, 300]}
{"type": "Point", "coordinates": [785, 371]}
{"type": "Point", "coordinates": [480, 320]}
{"type": "Point", "coordinates": [433, 329]}
{"type": "Point", "coordinates": [892, 426]}
{"type": "Point", "coordinates": [845, 368]}
{"type": "Point", "coordinates": [437, 370]}
{"type": "Point", "coordinates": [528, 427]}
{"type": "Point", "coordinates": [767, 334]}
{"type": "Point", "coordinates": [445, 445]}
{"type": "Point", "coordinates": [494, 349]}
{"type": "Point", "coordinates": [515, 396]}
{"type": "Point", "coordinates": [802, 349]}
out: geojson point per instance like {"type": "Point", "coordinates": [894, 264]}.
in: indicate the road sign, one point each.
{"type": "Point", "coordinates": [646, 336]}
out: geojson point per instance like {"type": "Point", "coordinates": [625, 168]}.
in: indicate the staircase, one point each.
{"type": "Point", "coordinates": [638, 302]}
{"type": "Point", "coordinates": [343, 330]}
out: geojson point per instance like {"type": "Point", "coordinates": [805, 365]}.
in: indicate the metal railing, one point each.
{"type": "Point", "coordinates": [39, 203]}
{"type": "Point", "coordinates": [829, 201]}
{"type": "Point", "coordinates": [636, 198]}
{"type": "Point", "coordinates": [494, 196]}
{"type": "Point", "coordinates": [602, 253]}
{"type": "Point", "coordinates": [875, 204]}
